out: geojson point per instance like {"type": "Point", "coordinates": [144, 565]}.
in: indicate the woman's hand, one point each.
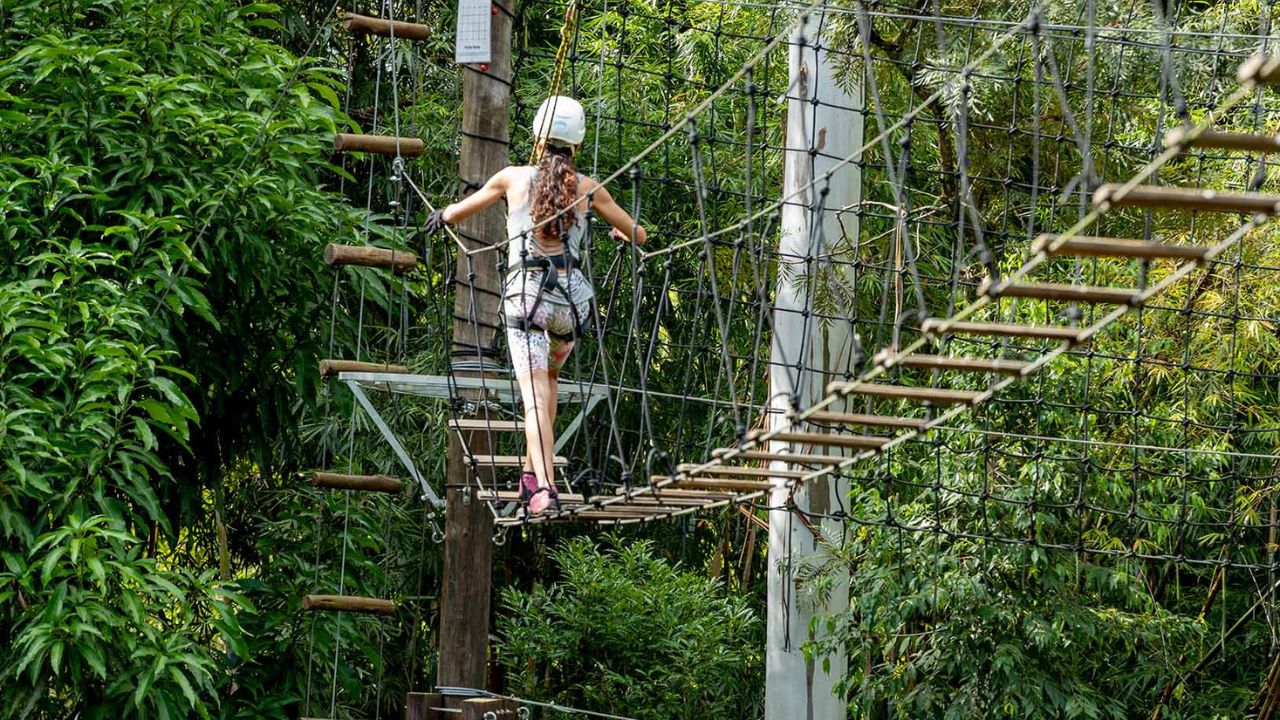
{"type": "Point", "coordinates": [640, 235]}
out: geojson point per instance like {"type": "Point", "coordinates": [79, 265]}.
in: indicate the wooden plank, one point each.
{"type": "Point", "coordinates": [937, 396]}
{"type": "Point", "coordinates": [511, 460]}
{"type": "Point", "coordinates": [378, 144]}
{"type": "Point", "coordinates": [934, 326]}
{"type": "Point", "coordinates": [1092, 246]}
{"type": "Point", "coordinates": [484, 425]}
{"type": "Point", "coordinates": [1065, 293]}
{"type": "Point", "coordinates": [1219, 140]}
{"type": "Point", "coordinates": [400, 30]}
{"type": "Point", "coordinates": [371, 483]}
{"type": "Point", "coordinates": [348, 603]}
{"type": "Point", "coordinates": [797, 458]}
{"type": "Point", "coordinates": [514, 496]}
{"type": "Point", "coordinates": [946, 362]}
{"type": "Point", "coordinates": [842, 418]}
{"type": "Point", "coordinates": [861, 442]}
{"type": "Point", "coordinates": [490, 709]}
{"type": "Point", "coordinates": [423, 706]}
{"type": "Point", "coordinates": [1178, 198]}
{"type": "Point", "coordinates": [723, 483]}
{"type": "Point", "coordinates": [398, 261]}
{"type": "Point", "coordinates": [331, 367]}
{"type": "Point", "coordinates": [1262, 69]}
{"type": "Point", "coordinates": [689, 468]}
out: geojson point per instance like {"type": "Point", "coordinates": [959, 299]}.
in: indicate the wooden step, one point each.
{"type": "Point", "coordinates": [571, 500]}
{"type": "Point", "coordinates": [365, 25]}
{"type": "Point", "coordinates": [483, 425]}
{"type": "Point", "coordinates": [723, 483]}
{"type": "Point", "coordinates": [1118, 247]}
{"type": "Point", "coordinates": [935, 326]}
{"type": "Point", "coordinates": [331, 367]}
{"type": "Point", "coordinates": [937, 396]}
{"type": "Point", "coordinates": [1262, 69]}
{"type": "Point", "coordinates": [397, 261]}
{"type": "Point", "coordinates": [861, 442]}
{"type": "Point", "coordinates": [690, 469]}
{"type": "Point", "coordinates": [372, 483]}
{"type": "Point", "coordinates": [946, 362]}
{"type": "Point", "coordinates": [1177, 198]}
{"type": "Point", "coordinates": [1064, 293]}
{"type": "Point", "coordinates": [707, 495]}
{"type": "Point", "coordinates": [1219, 140]}
{"type": "Point", "coordinates": [842, 418]}
{"type": "Point", "coordinates": [378, 144]}
{"type": "Point", "coordinates": [511, 460]}
{"type": "Point", "coordinates": [348, 603]}
{"type": "Point", "coordinates": [796, 458]}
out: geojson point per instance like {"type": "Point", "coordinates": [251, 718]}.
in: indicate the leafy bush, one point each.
{"type": "Point", "coordinates": [624, 631]}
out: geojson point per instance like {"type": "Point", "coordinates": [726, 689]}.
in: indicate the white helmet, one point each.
{"type": "Point", "coordinates": [560, 118]}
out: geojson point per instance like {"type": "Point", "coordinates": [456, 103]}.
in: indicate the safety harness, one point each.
{"type": "Point", "coordinates": [551, 267]}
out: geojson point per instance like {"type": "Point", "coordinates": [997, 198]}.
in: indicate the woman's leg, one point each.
{"type": "Point", "coordinates": [539, 413]}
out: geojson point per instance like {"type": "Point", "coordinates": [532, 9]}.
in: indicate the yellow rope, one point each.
{"type": "Point", "coordinates": [562, 53]}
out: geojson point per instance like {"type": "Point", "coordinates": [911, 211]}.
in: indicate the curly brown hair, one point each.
{"type": "Point", "coordinates": [554, 188]}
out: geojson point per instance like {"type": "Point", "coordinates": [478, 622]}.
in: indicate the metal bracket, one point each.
{"type": "Point", "coordinates": [390, 437]}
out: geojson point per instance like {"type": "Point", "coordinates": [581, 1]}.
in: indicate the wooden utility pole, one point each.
{"type": "Point", "coordinates": [468, 536]}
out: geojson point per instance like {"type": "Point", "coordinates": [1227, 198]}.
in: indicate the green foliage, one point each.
{"type": "Point", "coordinates": [626, 632]}
{"type": "Point", "coordinates": [163, 215]}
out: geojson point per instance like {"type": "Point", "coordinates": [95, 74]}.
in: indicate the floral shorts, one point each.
{"type": "Point", "coordinates": [535, 349]}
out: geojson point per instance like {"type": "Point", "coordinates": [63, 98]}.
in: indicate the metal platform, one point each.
{"type": "Point", "coordinates": [502, 391]}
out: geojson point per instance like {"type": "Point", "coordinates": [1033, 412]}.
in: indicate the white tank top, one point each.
{"type": "Point", "coordinates": [520, 223]}
{"type": "Point", "coordinates": [573, 285]}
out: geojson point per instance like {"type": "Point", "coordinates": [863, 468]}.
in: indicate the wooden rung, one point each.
{"type": "Point", "coordinates": [367, 256]}
{"type": "Point", "coordinates": [1177, 198]}
{"type": "Point", "coordinates": [687, 495]}
{"type": "Point", "coordinates": [483, 425]}
{"type": "Point", "coordinates": [934, 326]}
{"type": "Point", "coordinates": [861, 442]}
{"type": "Point", "coordinates": [379, 144]}
{"type": "Point", "coordinates": [572, 500]}
{"type": "Point", "coordinates": [938, 396]}
{"type": "Point", "coordinates": [330, 368]}
{"type": "Point", "coordinates": [690, 469]}
{"type": "Point", "coordinates": [946, 362]}
{"type": "Point", "coordinates": [723, 483]}
{"type": "Point", "coordinates": [1261, 69]}
{"type": "Point", "coordinates": [510, 460]}
{"type": "Point", "coordinates": [385, 28]}
{"type": "Point", "coordinates": [1219, 140]}
{"type": "Point", "coordinates": [796, 458]}
{"type": "Point", "coordinates": [348, 603]}
{"type": "Point", "coordinates": [841, 418]}
{"type": "Point", "coordinates": [1118, 247]}
{"type": "Point", "coordinates": [372, 483]}
{"type": "Point", "coordinates": [1065, 293]}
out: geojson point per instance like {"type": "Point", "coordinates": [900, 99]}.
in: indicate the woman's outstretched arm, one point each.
{"type": "Point", "coordinates": [624, 228]}
{"type": "Point", "coordinates": [493, 191]}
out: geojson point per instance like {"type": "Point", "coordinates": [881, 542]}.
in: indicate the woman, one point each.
{"type": "Point", "coordinates": [546, 298]}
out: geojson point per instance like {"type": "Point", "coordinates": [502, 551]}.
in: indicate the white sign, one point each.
{"type": "Point", "coordinates": [473, 44]}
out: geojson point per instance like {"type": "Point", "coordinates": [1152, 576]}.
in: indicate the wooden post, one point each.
{"type": "Point", "coordinates": [468, 543]}
{"type": "Point", "coordinates": [423, 706]}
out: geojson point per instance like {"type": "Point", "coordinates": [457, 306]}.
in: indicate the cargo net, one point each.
{"type": "Point", "coordinates": [1006, 276]}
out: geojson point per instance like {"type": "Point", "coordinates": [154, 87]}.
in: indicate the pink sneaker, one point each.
{"type": "Point", "coordinates": [528, 486]}
{"type": "Point", "coordinates": [544, 498]}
